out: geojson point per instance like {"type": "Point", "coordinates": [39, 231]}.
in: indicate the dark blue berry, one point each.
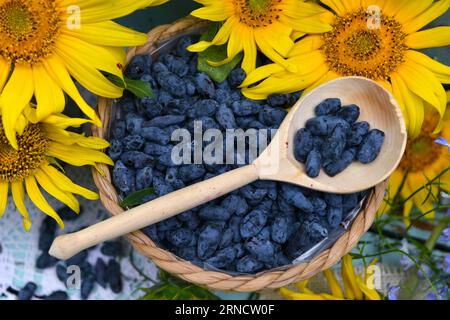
{"type": "Point", "coordinates": [313, 164]}
{"type": "Point", "coordinates": [165, 121]}
{"type": "Point", "coordinates": [180, 238]}
{"type": "Point", "coordinates": [191, 172]}
{"type": "Point", "coordinates": [206, 107]}
{"type": "Point", "coordinates": [208, 241]}
{"type": "Point", "coordinates": [27, 292]}
{"type": "Point", "coordinates": [118, 129]}
{"type": "Point", "coordinates": [144, 178]}
{"type": "Point", "coordinates": [248, 264]}
{"type": "Point", "coordinates": [334, 216]}
{"type": "Point", "coordinates": [253, 223]}
{"type": "Point", "coordinates": [337, 166]}
{"type": "Point", "coordinates": [136, 159]}
{"type": "Point", "coordinates": [134, 123]}
{"type": "Point", "coordinates": [236, 77]}
{"type": "Point", "coordinates": [280, 228]}
{"type": "Point", "coordinates": [77, 259]}
{"type": "Point", "coordinates": [205, 86]}
{"type": "Point", "coordinates": [155, 134]}
{"type": "Point", "coordinates": [225, 117]}
{"type": "Point", "coordinates": [114, 276]}
{"type": "Point", "coordinates": [138, 66]}
{"type": "Point", "coordinates": [357, 133]}
{"type": "Point", "coordinates": [45, 261]}
{"type": "Point", "coordinates": [328, 107]}
{"type": "Point", "coordinates": [171, 83]}
{"type": "Point", "coordinates": [261, 249]}
{"type": "Point", "coordinates": [115, 149]}
{"type": "Point", "coordinates": [111, 249]}
{"type": "Point", "coordinates": [303, 144]}
{"type": "Point", "coordinates": [57, 295]}
{"type": "Point", "coordinates": [133, 143]}
{"type": "Point", "coordinates": [335, 144]}
{"type": "Point", "coordinates": [101, 273]}
{"type": "Point", "coordinates": [349, 113]}
{"type": "Point", "coordinates": [295, 197]}
{"type": "Point", "coordinates": [245, 108]}
{"type": "Point", "coordinates": [211, 212]}
{"type": "Point", "coordinates": [222, 258]}
{"type": "Point", "coordinates": [371, 146]}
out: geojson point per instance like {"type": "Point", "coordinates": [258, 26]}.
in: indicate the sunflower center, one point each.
{"type": "Point", "coordinates": [420, 154]}
{"type": "Point", "coordinates": [16, 165]}
{"type": "Point", "coordinates": [29, 29]}
{"type": "Point", "coordinates": [257, 13]}
{"type": "Point", "coordinates": [352, 48]}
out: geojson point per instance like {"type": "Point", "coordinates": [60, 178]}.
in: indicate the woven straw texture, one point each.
{"type": "Point", "coordinates": [213, 279]}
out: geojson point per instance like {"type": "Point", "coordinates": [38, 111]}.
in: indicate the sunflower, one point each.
{"type": "Point", "coordinates": [44, 43]}
{"type": "Point", "coordinates": [267, 25]}
{"type": "Point", "coordinates": [355, 286]}
{"type": "Point", "coordinates": [424, 160]}
{"type": "Point", "coordinates": [32, 163]}
{"type": "Point", "coordinates": [380, 44]}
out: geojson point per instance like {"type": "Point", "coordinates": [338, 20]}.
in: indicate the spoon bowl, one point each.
{"type": "Point", "coordinates": [277, 162]}
{"type": "Point", "coordinates": [378, 107]}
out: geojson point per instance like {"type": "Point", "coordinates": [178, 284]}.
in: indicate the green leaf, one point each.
{"type": "Point", "coordinates": [216, 53]}
{"type": "Point", "coordinates": [136, 198]}
{"type": "Point", "coordinates": [55, 163]}
{"type": "Point", "coordinates": [139, 88]}
{"type": "Point", "coordinates": [171, 288]}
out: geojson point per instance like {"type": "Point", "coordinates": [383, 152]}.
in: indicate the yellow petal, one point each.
{"type": "Point", "coordinates": [84, 65]}
{"type": "Point", "coordinates": [62, 121]}
{"type": "Point", "coordinates": [424, 84]}
{"type": "Point", "coordinates": [349, 277]}
{"type": "Point", "coordinates": [370, 294]}
{"type": "Point", "coordinates": [18, 194]}
{"type": "Point", "coordinates": [262, 73]}
{"type": "Point", "coordinates": [336, 5]}
{"type": "Point", "coordinates": [411, 9]}
{"type": "Point", "coordinates": [248, 43]}
{"type": "Point", "coordinates": [67, 185]}
{"type": "Point", "coordinates": [437, 9]}
{"type": "Point", "coordinates": [49, 96]}
{"type": "Point", "coordinates": [96, 11]}
{"type": "Point", "coordinates": [56, 68]}
{"type": "Point", "coordinates": [38, 199]}
{"type": "Point", "coordinates": [65, 197]}
{"type": "Point", "coordinates": [306, 45]}
{"type": "Point", "coordinates": [3, 197]}
{"type": "Point", "coordinates": [117, 35]}
{"type": "Point", "coordinates": [15, 97]}
{"type": "Point", "coordinates": [431, 38]}
{"type": "Point", "coordinates": [288, 294]}
{"type": "Point", "coordinates": [413, 106]}
{"type": "Point", "coordinates": [83, 156]}
{"type": "Point", "coordinates": [5, 68]}
{"type": "Point", "coordinates": [333, 284]}
{"type": "Point", "coordinates": [441, 71]}
{"type": "Point", "coordinates": [218, 11]}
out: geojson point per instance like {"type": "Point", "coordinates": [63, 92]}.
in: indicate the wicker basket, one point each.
{"type": "Point", "coordinates": [214, 279]}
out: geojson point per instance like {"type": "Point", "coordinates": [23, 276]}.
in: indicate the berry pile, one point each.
{"type": "Point", "coordinates": [333, 139]}
{"type": "Point", "coordinates": [103, 273]}
{"type": "Point", "coordinates": [260, 226]}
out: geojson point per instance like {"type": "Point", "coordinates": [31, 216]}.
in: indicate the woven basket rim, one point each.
{"type": "Point", "coordinates": [217, 280]}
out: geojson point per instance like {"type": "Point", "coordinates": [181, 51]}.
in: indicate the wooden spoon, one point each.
{"type": "Point", "coordinates": [277, 162]}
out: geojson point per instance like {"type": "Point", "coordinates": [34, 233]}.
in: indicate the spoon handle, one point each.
{"type": "Point", "coordinates": [162, 208]}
